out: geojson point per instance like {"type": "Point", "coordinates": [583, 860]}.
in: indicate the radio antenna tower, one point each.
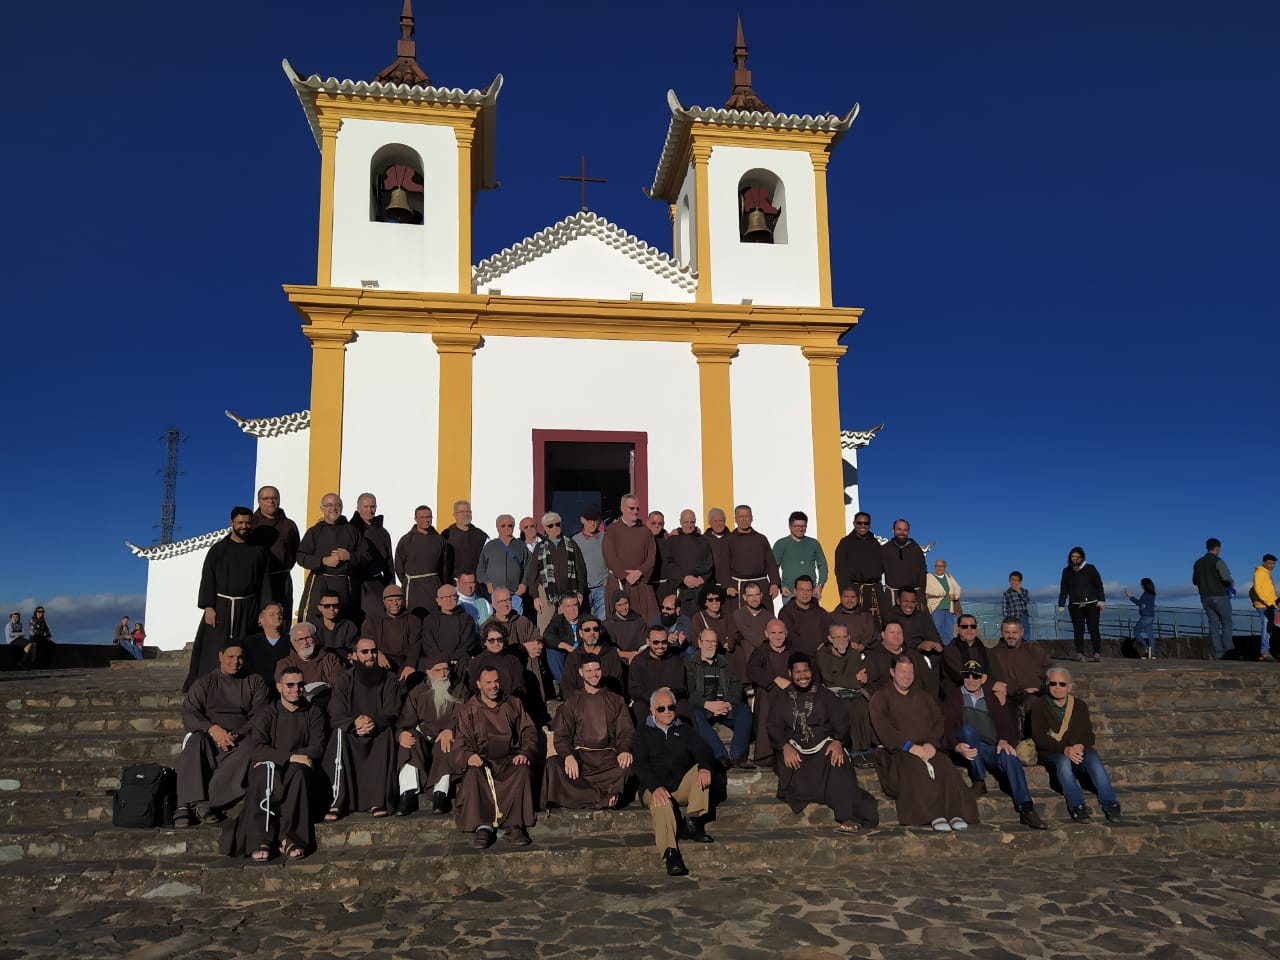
{"type": "Point", "coordinates": [168, 509]}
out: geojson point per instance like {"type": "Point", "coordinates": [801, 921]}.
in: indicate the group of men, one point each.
{"type": "Point", "coordinates": [426, 669]}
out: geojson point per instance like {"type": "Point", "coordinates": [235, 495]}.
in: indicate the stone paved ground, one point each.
{"type": "Point", "coordinates": [1189, 906]}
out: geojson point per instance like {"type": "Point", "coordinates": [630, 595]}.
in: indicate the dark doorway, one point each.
{"type": "Point", "coordinates": [573, 468]}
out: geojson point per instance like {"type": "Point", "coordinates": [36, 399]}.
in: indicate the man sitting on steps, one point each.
{"type": "Point", "coordinates": [1063, 733]}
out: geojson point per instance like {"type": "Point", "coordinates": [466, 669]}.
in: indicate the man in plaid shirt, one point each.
{"type": "Point", "coordinates": [1017, 603]}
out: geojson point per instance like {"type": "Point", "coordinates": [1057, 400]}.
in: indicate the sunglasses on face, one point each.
{"type": "Point", "coordinates": [290, 686]}
{"type": "Point", "coordinates": [334, 606]}
{"type": "Point", "coordinates": [972, 676]}
{"type": "Point", "coordinates": [664, 709]}
{"type": "Point", "coordinates": [588, 629]}
{"type": "Point", "coordinates": [1059, 683]}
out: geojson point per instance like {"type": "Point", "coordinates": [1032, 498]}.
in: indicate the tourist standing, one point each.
{"type": "Point", "coordinates": [1082, 587]}
{"type": "Point", "coordinates": [1145, 628]}
{"type": "Point", "coordinates": [1212, 578]}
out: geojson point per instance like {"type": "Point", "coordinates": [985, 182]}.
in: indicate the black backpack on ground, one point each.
{"type": "Point", "coordinates": [147, 796]}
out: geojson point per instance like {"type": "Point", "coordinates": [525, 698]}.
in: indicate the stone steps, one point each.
{"type": "Point", "coordinates": [447, 866]}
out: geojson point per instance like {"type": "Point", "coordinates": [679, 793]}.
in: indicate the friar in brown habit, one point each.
{"type": "Point", "coordinates": [593, 736]}
{"type": "Point", "coordinates": [363, 709]}
{"type": "Point", "coordinates": [424, 738]}
{"type": "Point", "coordinates": [630, 553]}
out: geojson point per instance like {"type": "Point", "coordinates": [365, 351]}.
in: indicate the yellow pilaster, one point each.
{"type": "Point", "coordinates": [717, 423]}
{"type": "Point", "coordinates": [453, 464]}
{"type": "Point", "coordinates": [328, 369]}
{"type": "Point", "coordinates": [820, 158]}
{"type": "Point", "coordinates": [328, 169]}
{"type": "Point", "coordinates": [702, 218]}
{"type": "Point", "coordinates": [828, 465]}
{"type": "Point", "coordinates": [466, 198]}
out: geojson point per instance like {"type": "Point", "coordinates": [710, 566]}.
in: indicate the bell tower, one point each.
{"type": "Point", "coordinates": [401, 164]}
{"type": "Point", "coordinates": [748, 189]}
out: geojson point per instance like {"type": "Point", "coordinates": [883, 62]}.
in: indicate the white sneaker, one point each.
{"type": "Point", "coordinates": [941, 825]}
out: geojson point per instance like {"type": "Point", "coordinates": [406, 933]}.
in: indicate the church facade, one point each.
{"type": "Point", "coordinates": [405, 329]}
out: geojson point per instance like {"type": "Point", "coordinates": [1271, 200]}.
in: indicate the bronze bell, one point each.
{"type": "Point", "coordinates": [757, 229]}
{"type": "Point", "coordinates": [398, 208]}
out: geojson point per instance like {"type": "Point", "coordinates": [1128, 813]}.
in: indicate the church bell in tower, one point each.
{"type": "Point", "coordinates": [757, 215]}
{"type": "Point", "coordinates": [400, 188]}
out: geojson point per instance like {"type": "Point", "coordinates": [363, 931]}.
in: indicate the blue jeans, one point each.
{"type": "Point", "coordinates": [1007, 766]}
{"type": "Point", "coordinates": [1071, 791]}
{"type": "Point", "coordinates": [1218, 610]}
{"type": "Point", "coordinates": [1026, 627]}
{"type": "Point", "coordinates": [945, 621]}
{"type": "Point", "coordinates": [737, 719]}
{"type": "Point", "coordinates": [1145, 627]}
{"type": "Point", "coordinates": [555, 662]}
{"type": "Point", "coordinates": [595, 601]}
{"type": "Point", "coordinates": [1268, 615]}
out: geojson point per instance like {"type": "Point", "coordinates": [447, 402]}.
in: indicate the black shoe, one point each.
{"type": "Point", "coordinates": [675, 863]}
{"type": "Point", "coordinates": [741, 763]}
{"type": "Point", "coordinates": [725, 763]}
{"type": "Point", "coordinates": [863, 761]}
{"type": "Point", "coordinates": [439, 803]}
{"type": "Point", "coordinates": [408, 804]}
{"type": "Point", "coordinates": [979, 788]}
{"type": "Point", "coordinates": [1030, 818]}
{"type": "Point", "coordinates": [484, 838]}
{"type": "Point", "coordinates": [1080, 814]}
{"type": "Point", "coordinates": [519, 836]}
{"type": "Point", "coordinates": [1113, 814]}
{"type": "Point", "coordinates": [694, 830]}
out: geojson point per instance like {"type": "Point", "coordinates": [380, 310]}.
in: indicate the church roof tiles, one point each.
{"type": "Point", "coordinates": [273, 426]}
{"type": "Point", "coordinates": [856, 439]}
{"type": "Point", "coordinates": [166, 551]}
{"type": "Point", "coordinates": [584, 224]}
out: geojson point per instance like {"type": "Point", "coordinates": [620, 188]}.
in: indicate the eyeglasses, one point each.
{"type": "Point", "coordinates": [334, 606]}
{"type": "Point", "coordinates": [658, 643]}
{"type": "Point", "coordinates": [968, 626]}
{"type": "Point", "coordinates": [550, 525]}
{"type": "Point", "coordinates": [290, 686]}
{"type": "Point", "coordinates": [971, 676]}
{"type": "Point", "coordinates": [588, 629]}
{"type": "Point", "coordinates": [664, 709]}
{"type": "Point", "coordinates": [367, 653]}
{"type": "Point", "coordinates": [714, 600]}
{"type": "Point", "coordinates": [668, 609]}
{"type": "Point", "coordinates": [862, 523]}
{"type": "Point", "coordinates": [495, 639]}
{"type": "Point", "coordinates": [1059, 683]}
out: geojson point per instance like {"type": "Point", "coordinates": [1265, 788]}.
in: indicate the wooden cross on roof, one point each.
{"type": "Point", "coordinates": [583, 180]}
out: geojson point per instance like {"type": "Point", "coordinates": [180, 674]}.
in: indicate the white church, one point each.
{"type": "Point", "coordinates": [739, 316]}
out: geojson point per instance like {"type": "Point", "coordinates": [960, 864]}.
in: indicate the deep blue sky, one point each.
{"type": "Point", "coordinates": [1061, 220]}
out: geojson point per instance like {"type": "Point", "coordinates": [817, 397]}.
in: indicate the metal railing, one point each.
{"type": "Point", "coordinates": [1116, 622]}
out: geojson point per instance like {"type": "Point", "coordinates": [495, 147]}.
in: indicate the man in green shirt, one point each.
{"type": "Point", "coordinates": [798, 555]}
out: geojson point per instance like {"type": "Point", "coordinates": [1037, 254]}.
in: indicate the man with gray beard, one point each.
{"type": "Point", "coordinates": [319, 667]}
{"type": "Point", "coordinates": [424, 736]}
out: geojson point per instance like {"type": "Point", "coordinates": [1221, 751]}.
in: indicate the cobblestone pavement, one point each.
{"type": "Point", "coordinates": [1184, 906]}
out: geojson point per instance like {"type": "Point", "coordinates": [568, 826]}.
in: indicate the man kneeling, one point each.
{"type": "Point", "coordinates": [285, 742]}
{"type": "Point", "coordinates": [808, 728]}
{"type": "Point", "coordinates": [673, 765]}
{"type": "Point", "coordinates": [496, 741]}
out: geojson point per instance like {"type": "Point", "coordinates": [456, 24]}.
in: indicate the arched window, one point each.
{"type": "Point", "coordinates": [395, 175]}
{"type": "Point", "coordinates": [762, 209]}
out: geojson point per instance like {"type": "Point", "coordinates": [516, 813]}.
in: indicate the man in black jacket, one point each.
{"type": "Point", "coordinates": [672, 765]}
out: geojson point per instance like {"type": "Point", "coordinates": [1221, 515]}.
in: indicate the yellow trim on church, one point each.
{"type": "Point", "coordinates": [328, 173]}
{"type": "Point", "coordinates": [700, 156]}
{"type": "Point", "coordinates": [328, 372]}
{"type": "Point", "coordinates": [457, 351]}
{"type": "Point", "coordinates": [828, 463]}
{"type": "Point", "coordinates": [714, 360]}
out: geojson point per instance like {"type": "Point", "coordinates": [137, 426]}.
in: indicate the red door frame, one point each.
{"type": "Point", "coordinates": [639, 443]}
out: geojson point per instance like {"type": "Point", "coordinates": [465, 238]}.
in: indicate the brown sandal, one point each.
{"type": "Point", "coordinates": [264, 853]}
{"type": "Point", "coordinates": [332, 815]}
{"type": "Point", "coordinates": [379, 811]}
{"type": "Point", "coordinates": [292, 851]}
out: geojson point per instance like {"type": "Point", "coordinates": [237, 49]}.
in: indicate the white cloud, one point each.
{"type": "Point", "coordinates": [89, 618]}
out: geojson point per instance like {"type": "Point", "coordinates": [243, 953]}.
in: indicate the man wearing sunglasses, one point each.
{"type": "Point", "coordinates": [556, 570]}
{"type": "Point", "coordinates": [978, 730]}
{"type": "Point", "coordinates": [1064, 739]}
{"type": "Point", "coordinates": [673, 766]}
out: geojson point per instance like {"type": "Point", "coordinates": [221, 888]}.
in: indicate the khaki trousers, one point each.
{"type": "Point", "coordinates": [695, 800]}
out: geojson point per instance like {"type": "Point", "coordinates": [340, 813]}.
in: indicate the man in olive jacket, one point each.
{"type": "Point", "coordinates": [1063, 734]}
{"type": "Point", "coordinates": [715, 696]}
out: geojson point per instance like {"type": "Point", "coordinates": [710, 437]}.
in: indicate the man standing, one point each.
{"type": "Point", "coordinates": [397, 634]}
{"type": "Point", "coordinates": [800, 556]}
{"type": "Point", "coordinates": [977, 728]}
{"type": "Point", "coordinates": [688, 563]}
{"type": "Point", "coordinates": [860, 565]}
{"type": "Point", "coordinates": [285, 741]}
{"type": "Point", "coordinates": [556, 570]}
{"type": "Point", "coordinates": [715, 696]}
{"type": "Point", "coordinates": [805, 619]}
{"type": "Point", "coordinates": [422, 564]}
{"type": "Point", "coordinates": [808, 729]}
{"type": "Point", "coordinates": [464, 540]}
{"type": "Point", "coordinates": [630, 553]}
{"type": "Point", "coordinates": [657, 524]}
{"type": "Point", "coordinates": [903, 561]}
{"type": "Point", "coordinates": [424, 738]}
{"type": "Point", "coordinates": [333, 552]}
{"type": "Point", "coordinates": [378, 572]}
{"type": "Point", "coordinates": [496, 742]}
{"type": "Point", "coordinates": [234, 584]}
{"type": "Point", "coordinates": [673, 766]}
{"type": "Point", "coordinates": [1212, 578]}
{"type": "Point", "coordinates": [1263, 595]}
{"type": "Point", "coordinates": [1064, 739]}
{"type": "Point", "coordinates": [590, 541]}
{"type": "Point", "coordinates": [270, 528]}
{"type": "Point", "coordinates": [913, 769]}
{"type": "Point", "coordinates": [717, 538]}
{"type": "Point", "coordinates": [593, 736]}
{"type": "Point", "coordinates": [502, 562]}
{"type": "Point", "coordinates": [750, 558]}
{"type": "Point", "coordinates": [213, 763]}
{"type": "Point", "coordinates": [942, 595]}
{"type": "Point", "coordinates": [363, 709]}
